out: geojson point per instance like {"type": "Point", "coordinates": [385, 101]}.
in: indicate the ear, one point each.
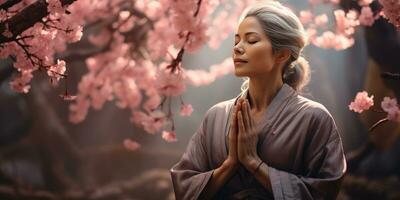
{"type": "Point", "coordinates": [282, 56]}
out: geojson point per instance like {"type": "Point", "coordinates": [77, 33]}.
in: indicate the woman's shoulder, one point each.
{"type": "Point", "coordinates": [320, 120]}
{"type": "Point", "coordinates": [311, 107]}
{"type": "Point", "coordinates": [222, 106]}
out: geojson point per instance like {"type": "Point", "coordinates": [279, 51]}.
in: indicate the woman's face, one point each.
{"type": "Point", "coordinates": [252, 54]}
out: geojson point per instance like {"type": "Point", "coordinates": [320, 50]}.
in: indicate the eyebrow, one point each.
{"type": "Point", "coordinates": [248, 33]}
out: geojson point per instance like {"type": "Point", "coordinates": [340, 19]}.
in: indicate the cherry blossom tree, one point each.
{"type": "Point", "coordinates": [139, 45]}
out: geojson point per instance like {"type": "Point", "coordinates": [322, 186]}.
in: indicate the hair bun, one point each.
{"type": "Point", "coordinates": [297, 74]}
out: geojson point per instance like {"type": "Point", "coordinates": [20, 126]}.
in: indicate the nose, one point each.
{"type": "Point", "coordinates": [238, 49]}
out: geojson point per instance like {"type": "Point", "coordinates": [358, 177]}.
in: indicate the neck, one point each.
{"type": "Point", "coordinates": [262, 90]}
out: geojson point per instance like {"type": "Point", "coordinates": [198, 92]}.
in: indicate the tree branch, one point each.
{"type": "Point", "coordinates": [8, 4]}
{"type": "Point", "coordinates": [26, 18]}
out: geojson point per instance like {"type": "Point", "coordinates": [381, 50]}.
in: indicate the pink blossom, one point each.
{"type": "Point", "coordinates": [54, 6]}
{"type": "Point", "coordinates": [170, 84]}
{"type": "Point", "coordinates": [391, 10]}
{"type": "Point", "coordinates": [169, 136]}
{"type": "Point", "coordinates": [197, 38]}
{"type": "Point", "coordinates": [153, 102]}
{"type": "Point", "coordinates": [57, 71]}
{"type": "Point", "coordinates": [128, 93]}
{"type": "Point", "coordinates": [326, 40]}
{"type": "Point", "coordinates": [343, 42]}
{"type": "Point", "coordinates": [391, 107]}
{"type": "Point", "coordinates": [394, 114]}
{"type": "Point", "coordinates": [223, 68]}
{"type": "Point", "coordinates": [131, 144]}
{"type": "Point", "coordinates": [345, 22]}
{"type": "Point", "coordinates": [151, 122]}
{"type": "Point", "coordinates": [306, 16]}
{"type": "Point", "coordinates": [186, 110]}
{"type": "Point", "coordinates": [20, 83]}
{"type": "Point", "coordinates": [202, 77]}
{"type": "Point", "coordinates": [321, 20]}
{"type": "Point", "coordinates": [219, 30]}
{"type": "Point", "coordinates": [199, 77]}
{"type": "Point", "coordinates": [311, 32]}
{"type": "Point", "coordinates": [388, 103]}
{"type": "Point", "coordinates": [79, 109]}
{"type": "Point", "coordinates": [361, 102]}
{"type": "Point", "coordinates": [330, 40]}
{"type": "Point", "coordinates": [367, 16]}
{"type": "Point", "coordinates": [75, 34]}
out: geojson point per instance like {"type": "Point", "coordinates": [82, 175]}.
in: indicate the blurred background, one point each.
{"type": "Point", "coordinates": [43, 152]}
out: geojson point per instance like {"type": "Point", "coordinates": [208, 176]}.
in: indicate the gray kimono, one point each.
{"type": "Point", "coordinates": [299, 142]}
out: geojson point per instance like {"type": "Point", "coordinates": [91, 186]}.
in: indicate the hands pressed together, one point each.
{"type": "Point", "coordinates": [243, 138]}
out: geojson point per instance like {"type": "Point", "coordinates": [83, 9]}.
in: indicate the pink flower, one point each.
{"type": "Point", "coordinates": [329, 40]}
{"type": "Point", "coordinates": [218, 31]}
{"type": "Point", "coordinates": [54, 6]}
{"type": "Point", "coordinates": [345, 22]}
{"type": "Point", "coordinates": [79, 109]}
{"type": "Point", "coordinates": [169, 136]}
{"type": "Point", "coordinates": [131, 145]}
{"type": "Point", "coordinates": [306, 16]}
{"type": "Point", "coordinates": [391, 10]}
{"type": "Point", "coordinates": [20, 83]}
{"type": "Point", "coordinates": [394, 114]}
{"type": "Point", "coordinates": [170, 84]}
{"type": "Point", "coordinates": [151, 123]}
{"type": "Point", "coordinates": [361, 102]}
{"type": "Point", "coordinates": [153, 102]}
{"type": "Point", "coordinates": [311, 32]}
{"type": "Point", "coordinates": [57, 71]}
{"type": "Point", "coordinates": [199, 77]}
{"type": "Point", "coordinates": [186, 110]}
{"type": "Point", "coordinates": [197, 38]}
{"type": "Point", "coordinates": [75, 35]}
{"type": "Point", "coordinates": [321, 20]}
{"type": "Point", "coordinates": [367, 16]}
{"type": "Point", "coordinates": [388, 104]}
{"type": "Point", "coordinates": [326, 40]}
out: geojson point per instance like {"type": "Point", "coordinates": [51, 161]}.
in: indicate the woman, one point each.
{"type": "Point", "coordinates": [269, 142]}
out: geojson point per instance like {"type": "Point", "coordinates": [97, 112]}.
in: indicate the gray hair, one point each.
{"type": "Point", "coordinates": [285, 31]}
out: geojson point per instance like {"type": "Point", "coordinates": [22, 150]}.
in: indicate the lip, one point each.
{"type": "Point", "coordinates": [239, 60]}
{"type": "Point", "coordinates": [239, 63]}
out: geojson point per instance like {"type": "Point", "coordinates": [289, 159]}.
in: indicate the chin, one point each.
{"type": "Point", "coordinates": [240, 73]}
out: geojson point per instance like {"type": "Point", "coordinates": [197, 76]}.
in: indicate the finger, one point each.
{"type": "Point", "coordinates": [251, 122]}
{"type": "Point", "coordinates": [234, 121]}
{"type": "Point", "coordinates": [240, 122]}
{"type": "Point", "coordinates": [239, 106]}
{"type": "Point", "coordinates": [247, 115]}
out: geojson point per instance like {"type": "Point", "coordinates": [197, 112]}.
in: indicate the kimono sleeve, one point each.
{"type": "Point", "coordinates": [324, 167]}
{"type": "Point", "coordinates": [191, 174]}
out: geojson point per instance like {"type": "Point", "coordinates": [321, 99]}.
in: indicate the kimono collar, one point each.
{"type": "Point", "coordinates": [278, 100]}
